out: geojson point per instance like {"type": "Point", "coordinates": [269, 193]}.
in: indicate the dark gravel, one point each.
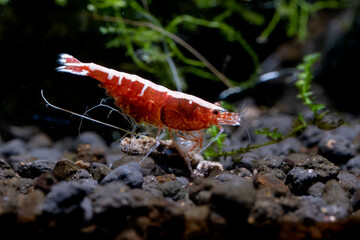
{"type": "Point", "coordinates": [129, 173]}
{"type": "Point", "coordinates": [305, 187]}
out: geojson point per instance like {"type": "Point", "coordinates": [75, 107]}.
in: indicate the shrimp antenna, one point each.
{"type": "Point", "coordinates": [82, 116]}
{"type": "Point", "coordinates": [242, 112]}
{"type": "Point", "coordinates": [213, 139]}
{"type": "Point", "coordinates": [130, 120]}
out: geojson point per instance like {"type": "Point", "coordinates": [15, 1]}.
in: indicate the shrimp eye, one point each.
{"type": "Point", "coordinates": [216, 112]}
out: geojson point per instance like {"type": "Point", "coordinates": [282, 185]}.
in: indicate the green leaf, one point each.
{"type": "Point", "coordinates": [274, 134]}
{"type": "Point", "coordinates": [304, 81]}
{"type": "Point", "coordinates": [61, 3]}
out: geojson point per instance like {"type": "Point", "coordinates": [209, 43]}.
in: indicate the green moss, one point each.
{"type": "Point", "coordinates": [303, 83]}
{"type": "Point", "coordinates": [4, 2]}
{"type": "Point", "coordinates": [305, 77]}
{"type": "Point", "coordinates": [154, 45]}
{"type": "Point", "coordinates": [297, 13]}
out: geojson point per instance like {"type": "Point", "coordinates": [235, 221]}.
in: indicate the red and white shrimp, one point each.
{"type": "Point", "coordinates": [183, 114]}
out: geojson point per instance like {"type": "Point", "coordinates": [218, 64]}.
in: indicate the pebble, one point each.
{"type": "Point", "coordinates": [337, 149]}
{"type": "Point", "coordinates": [201, 190]}
{"type": "Point", "coordinates": [275, 162]}
{"type": "Point", "coordinates": [40, 140]}
{"type": "Point", "coordinates": [108, 197]}
{"type": "Point", "coordinates": [316, 189]}
{"type": "Point", "coordinates": [355, 200]}
{"type": "Point", "coordinates": [348, 181]}
{"type": "Point", "coordinates": [346, 131]}
{"type": "Point", "coordinates": [13, 147]}
{"type": "Point", "coordinates": [35, 168]}
{"type": "Point", "coordinates": [173, 189]}
{"type": "Point", "coordinates": [29, 206]}
{"type": "Point", "coordinates": [285, 147]}
{"type": "Point", "coordinates": [243, 172]}
{"type": "Point", "coordinates": [323, 168]}
{"type": "Point", "coordinates": [195, 216]}
{"type": "Point", "coordinates": [309, 170]}
{"type": "Point", "coordinates": [300, 180]}
{"type": "Point", "coordinates": [227, 177]}
{"type": "Point", "coordinates": [99, 171]}
{"type": "Point", "coordinates": [129, 234]}
{"type": "Point", "coordinates": [129, 173]}
{"type": "Point", "coordinates": [6, 171]}
{"type": "Point", "coordinates": [51, 154]}
{"type": "Point", "coordinates": [326, 208]}
{"type": "Point", "coordinates": [310, 209]}
{"type": "Point", "coordinates": [312, 136]}
{"type": "Point", "coordinates": [114, 155]}
{"type": "Point", "coordinates": [86, 153]}
{"type": "Point", "coordinates": [124, 160]}
{"type": "Point", "coordinates": [266, 211]}
{"type": "Point", "coordinates": [4, 164]}
{"type": "Point", "coordinates": [81, 174]}
{"type": "Point", "coordinates": [44, 182]}
{"type": "Point", "coordinates": [334, 194]}
{"type": "Point", "coordinates": [272, 184]}
{"type": "Point", "coordinates": [20, 185]}
{"type": "Point", "coordinates": [148, 165]}
{"type": "Point", "coordinates": [288, 146]}
{"type": "Point", "coordinates": [150, 185]}
{"type": "Point", "coordinates": [272, 172]}
{"type": "Point", "coordinates": [233, 199]}
{"type": "Point", "coordinates": [249, 161]}
{"type": "Point", "coordinates": [183, 180]}
{"type": "Point", "coordinates": [65, 170]}
{"type": "Point", "coordinates": [93, 139]}
{"type": "Point", "coordinates": [15, 160]}
{"type": "Point", "coordinates": [353, 165]}
{"type": "Point", "coordinates": [66, 198]}
{"type": "Point", "coordinates": [23, 132]}
{"type": "Point", "coordinates": [24, 205]}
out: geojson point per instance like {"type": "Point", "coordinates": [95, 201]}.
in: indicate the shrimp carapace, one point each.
{"type": "Point", "coordinates": [148, 102]}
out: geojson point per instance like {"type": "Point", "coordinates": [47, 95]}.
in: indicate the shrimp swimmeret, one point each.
{"type": "Point", "coordinates": [183, 114]}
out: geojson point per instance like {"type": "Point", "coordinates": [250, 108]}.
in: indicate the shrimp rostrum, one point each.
{"type": "Point", "coordinates": [184, 115]}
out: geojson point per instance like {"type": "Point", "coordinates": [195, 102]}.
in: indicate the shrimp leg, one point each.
{"type": "Point", "coordinates": [159, 136]}
{"type": "Point", "coordinates": [181, 151]}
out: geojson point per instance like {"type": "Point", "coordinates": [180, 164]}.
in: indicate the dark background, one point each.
{"type": "Point", "coordinates": [34, 32]}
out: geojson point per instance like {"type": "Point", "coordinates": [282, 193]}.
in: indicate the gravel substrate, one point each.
{"type": "Point", "coordinates": [304, 187]}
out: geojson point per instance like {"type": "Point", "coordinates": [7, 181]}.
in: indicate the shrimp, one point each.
{"type": "Point", "coordinates": [146, 102]}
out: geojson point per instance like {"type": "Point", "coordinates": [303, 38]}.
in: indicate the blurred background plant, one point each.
{"type": "Point", "coordinates": [296, 13]}
{"type": "Point", "coordinates": [3, 2]}
{"type": "Point", "coordinates": [158, 44]}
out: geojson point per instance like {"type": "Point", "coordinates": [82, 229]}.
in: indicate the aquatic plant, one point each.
{"type": "Point", "coordinates": [297, 13]}
{"type": "Point", "coordinates": [153, 42]}
{"type": "Point", "coordinates": [218, 144]}
{"type": "Point", "coordinates": [4, 2]}
{"type": "Point", "coordinates": [305, 77]}
{"type": "Point", "coordinates": [304, 83]}
{"type": "Point", "coordinates": [154, 46]}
